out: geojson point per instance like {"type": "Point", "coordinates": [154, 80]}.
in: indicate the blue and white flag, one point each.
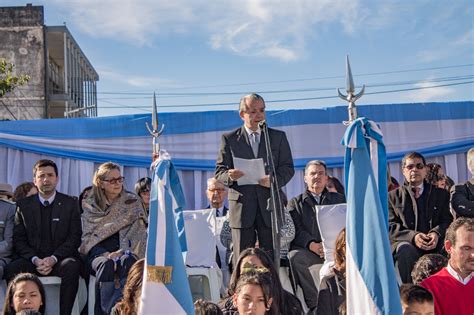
{"type": "Point", "coordinates": [165, 286]}
{"type": "Point", "coordinates": [371, 285]}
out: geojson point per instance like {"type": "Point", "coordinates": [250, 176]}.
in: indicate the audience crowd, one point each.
{"type": "Point", "coordinates": [103, 234]}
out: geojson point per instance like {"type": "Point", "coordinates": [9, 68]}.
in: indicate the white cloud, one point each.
{"type": "Point", "coordinates": [136, 22]}
{"type": "Point", "coordinates": [136, 80]}
{"type": "Point", "coordinates": [428, 94]}
{"type": "Point", "coordinates": [263, 28]}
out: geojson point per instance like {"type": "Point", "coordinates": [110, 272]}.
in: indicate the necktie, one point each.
{"type": "Point", "coordinates": [416, 192]}
{"type": "Point", "coordinates": [46, 203]}
{"type": "Point", "coordinates": [254, 142]}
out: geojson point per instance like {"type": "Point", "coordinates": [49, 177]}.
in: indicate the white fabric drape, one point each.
{"type": "Point", "coordinates": [443, 132]}
{"type": "Point", "coordinates": [75, 175]}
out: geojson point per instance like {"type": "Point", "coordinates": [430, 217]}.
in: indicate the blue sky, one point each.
{"type": "Point", "coordinates": [209, 53]}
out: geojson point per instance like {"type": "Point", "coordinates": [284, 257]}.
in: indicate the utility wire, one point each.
{"type": "Point", "coordinates": [145, 107]}
{"type": "Point", "coordinates": [298, 99]}
{"type": "Point", "coordinates": [396, 83]}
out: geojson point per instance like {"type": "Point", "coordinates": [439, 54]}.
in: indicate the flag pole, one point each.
{"type": "Point", "coordinates": [371, 285]}
{"type": "Point", "coordinates": [165, 274]}
{"type": "Point", "coordinates": [350, 97]}
{"type": "Point", "coordinates": [154, 132]}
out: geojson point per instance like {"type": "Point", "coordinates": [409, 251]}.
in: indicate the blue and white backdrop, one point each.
{"type": "Point", "coordinates": [443, 132]}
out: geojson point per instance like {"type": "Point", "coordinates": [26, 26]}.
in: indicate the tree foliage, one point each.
{"type": "Point", "coordinates": [8, 81]}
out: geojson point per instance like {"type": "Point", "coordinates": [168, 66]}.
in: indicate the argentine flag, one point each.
{"type": "Point", "coordinates": [165, 287]}
{"type": "Point", "coordinates": [371, 286]}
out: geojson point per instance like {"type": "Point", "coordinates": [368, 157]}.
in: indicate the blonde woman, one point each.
{"type": "Point", "coordinates": [114, 234]}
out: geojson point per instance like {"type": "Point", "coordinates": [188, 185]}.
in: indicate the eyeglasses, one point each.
{"type": "Point", "coordinates": [216, 190]}
{"type": "Point", "coordinates": [144, 191]}
{"type": "Point", "coordinates": [412, 166]}
{"type": "Point", "coordinates": [114, 181]}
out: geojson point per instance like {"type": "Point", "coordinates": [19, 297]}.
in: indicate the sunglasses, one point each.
{"type": "Point", "coordinates": [114, 180]}
{"type": "Point", "coordinates": [412, 166]}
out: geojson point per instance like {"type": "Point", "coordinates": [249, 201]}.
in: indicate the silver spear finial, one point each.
{"type": "Point", "coordinates": [155, 133]}
{"type": "Point", "coordinates": [350, 97]}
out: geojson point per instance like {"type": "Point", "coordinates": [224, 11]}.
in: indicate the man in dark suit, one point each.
{"type": "Point", "coordinates": [462, 195]}
{"type": "Point", "coordinates": [307, 248]}
{"type": "Point", "coordinates": [248, 216]}
{"type": "Point", "coordinates": [418, 215]}
{"type": "Point", "coordinates": [47, 234]}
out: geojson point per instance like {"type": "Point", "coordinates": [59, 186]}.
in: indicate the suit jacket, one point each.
{"type": "Point", "coordinates": [462, 199]}
{"type": "Point", "coordinates": [245, 200]}
{"type": "Point", "coordinates": [7, 212]}
{"type": "Point", "coordinates": [65, 227]}
{"type": "Point", "coordinates": [224, 210]}
{"type": "Point", "coordinates": [302, 210]}
{"type": "Point", "coordinates": [402, 200]}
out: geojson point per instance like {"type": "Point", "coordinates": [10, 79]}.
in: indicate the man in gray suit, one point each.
{"type": "Point", "coordinates": [7, 213]}
{"type": "Point", "coordinates": [248, 216]}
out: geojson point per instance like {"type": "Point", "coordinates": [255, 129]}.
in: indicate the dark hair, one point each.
{"type": "Point", "coordinates": [410, 293]}
{"type": "Point", "coordinates": [263, 280]}
{"type": "Point", "coordinates": [412, 155]}
{"type": "Point", "coordinates": [267, 263]}
{"type": "Point", "coordinates": [83, 194]}
{"type": "Point", "coordinates": [315, 162]}
{"type": "Point", "coordinates": [142, 184]}
{"type": "Point", "coordinates": [44, 163]}
{"type": "Point", "coordinates": [433, 175]}
{"type": "Point", "coordinates": [427, 265]}
{"type": "Point", "coordinates": [337, 184]}
{"type": "Point", "coordinates": [132, 290]}
{"type": "Point", "coordinates": [22, 190]}
{"type": "Point", "coordinates": [340, 252]}
{"type": "Point", "coordinates": [8, 306]}
{"type": "Point", "coordinates": [468, 223]}
{"type": "Point", "coordinates": [202, 307]}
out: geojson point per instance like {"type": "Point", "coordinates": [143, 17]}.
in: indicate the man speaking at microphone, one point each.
{"type": "Point", "coordinates": [248, 215]}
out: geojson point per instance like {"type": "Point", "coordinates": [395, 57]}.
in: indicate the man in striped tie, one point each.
{"type": "Point", "coordinates": [248, 216]}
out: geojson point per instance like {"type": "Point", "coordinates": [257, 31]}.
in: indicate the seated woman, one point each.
{"type": "Point", "coordinates": [334, 185]}
{"type": "Point", "coordinates": [113, 234]}
{"type": "Point", "coordinates": [142, 189]}
{"type": "Point", "coordinates": [332, 290]}
{"type": "Point", "coordinates": [254, 292]}
{"type": "Point", "coordinates": [283, 301]}
{"type": "Point", "coordinates": [24, 292]}
{"type": "Point", "coordinates": [435, 175]}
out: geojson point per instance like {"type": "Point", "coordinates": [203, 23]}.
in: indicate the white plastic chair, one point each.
{"type": "Point", "coordinates": [200, 227]}
{"type": "Point", "coordinates": [52, 286]}
{"type": "Point", "coordinates": [331, 220]}
{"type": "Point", "coordinates": [91, 296]}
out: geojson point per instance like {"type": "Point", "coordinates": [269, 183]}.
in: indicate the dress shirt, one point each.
{"type": "Point", "coordinates": [456, 276]}
{"type": "Point", "coordinates": [50, 199]}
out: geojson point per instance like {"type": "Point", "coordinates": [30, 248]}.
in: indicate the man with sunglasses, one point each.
{"type": "Point", "coordinates": [47, 234]}
{"type": "Point", "coordinates": [418, 216]}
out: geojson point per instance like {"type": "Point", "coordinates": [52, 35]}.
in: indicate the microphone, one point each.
{"type": "Point", "coordinates": [262, 124]}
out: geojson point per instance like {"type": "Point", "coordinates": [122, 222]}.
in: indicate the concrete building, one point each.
{"type": "Point", "coordinates": [63, 83]}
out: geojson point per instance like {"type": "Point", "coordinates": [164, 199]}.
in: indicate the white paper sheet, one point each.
{"type": "Point", "coordinates": [253, 170]}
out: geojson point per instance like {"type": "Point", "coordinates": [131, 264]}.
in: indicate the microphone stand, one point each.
{"type": "Point", "coordinates": [274, 202]}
